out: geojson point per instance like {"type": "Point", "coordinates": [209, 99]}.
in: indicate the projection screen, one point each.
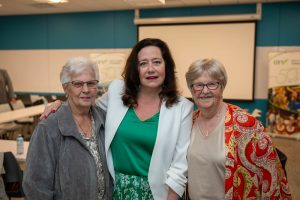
{"type": "Point", "coordinates": [231, 43]}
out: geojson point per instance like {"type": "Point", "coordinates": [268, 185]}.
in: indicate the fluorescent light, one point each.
{"type": "Point", "coordinates": [145, 3]}
{"type": "Point", "coordinates": [57, 1]}
{"type": "Point", "coordinates": [52, 1]}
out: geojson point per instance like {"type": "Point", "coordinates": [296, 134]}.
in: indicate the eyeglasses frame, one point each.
{"type": "Point", "coordinates": [85, 82]}
{"type": "Point", "coordinates": [206, 85]}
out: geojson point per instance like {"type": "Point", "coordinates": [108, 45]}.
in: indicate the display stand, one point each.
{"type": "Point", "coordinates": [283, 116]}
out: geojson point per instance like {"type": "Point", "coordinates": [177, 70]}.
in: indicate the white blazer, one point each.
{"type": "Point", "coordinates": [168, 165]}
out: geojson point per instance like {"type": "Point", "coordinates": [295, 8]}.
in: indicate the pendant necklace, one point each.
{"type": "Point", "coordinates": [205, 132]}
{"type": "Point", "coordinates": [81, 131]}
{"type": "Point", "coordinates": [86, 134]}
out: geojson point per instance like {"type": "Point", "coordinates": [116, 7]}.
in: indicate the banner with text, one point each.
{"type": "Point", "coordinates": [283, 115]}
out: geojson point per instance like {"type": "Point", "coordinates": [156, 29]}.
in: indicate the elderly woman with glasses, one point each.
{"type": "Point", "coordinates": [229, 157]}
{"type": "Point", "coordinates": [66, 157]}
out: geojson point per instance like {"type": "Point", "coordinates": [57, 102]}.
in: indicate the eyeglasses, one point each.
{"type": "Point", "coordinates": [90, 84]}
{"type": "Point", "coordinates": [210, 86]}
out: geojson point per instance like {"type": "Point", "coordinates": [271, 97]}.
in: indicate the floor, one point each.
{"type": "Point", "coordinates": [291, 148]}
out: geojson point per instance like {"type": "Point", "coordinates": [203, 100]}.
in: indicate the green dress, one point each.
{"type": "Point", "coordinates": [132, 149]}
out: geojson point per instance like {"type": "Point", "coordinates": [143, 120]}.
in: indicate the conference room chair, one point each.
{"type": "Point", "coordinates": [20, 105]}
{"type": "Point", "coordinates": [38, 100]}
{"type": "Point", "coordinates": [9, 129]}
{"type": "Point", "coordinates": [282, 158]}
{"type": "Point", "coordinates": [61, 97]}
{"type": "Point", "coordinates": [26, 99]}
{"type": "Point", "coordinates": [13, 176]}
{"type": "Point", "coordinates": [26, 122]}
{"type": "Point", "coordinates": [2, 134]}
{"type": "Point", "coordinates": [49, 98]}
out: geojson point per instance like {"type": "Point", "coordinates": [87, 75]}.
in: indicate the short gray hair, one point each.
{"type": "Point", "coordinates": [77, 65]}
{"type": "Point", "coordinates": [213, 67]}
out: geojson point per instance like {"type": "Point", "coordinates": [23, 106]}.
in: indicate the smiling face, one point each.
{"type": "Point", "coordinates": [207, 98]}
{"type": "Point", "coordinates": [81, 97]}
{"type": "Point", "coordinates": [151, 68]}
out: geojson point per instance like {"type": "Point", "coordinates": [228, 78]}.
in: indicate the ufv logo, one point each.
{"type": "Point", "coordinates": [280, 62]}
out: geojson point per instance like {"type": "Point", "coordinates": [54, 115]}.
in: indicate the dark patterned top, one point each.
{"type": "Point", "coordinates": [91, 143]}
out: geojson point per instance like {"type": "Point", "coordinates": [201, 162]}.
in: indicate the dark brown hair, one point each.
{"type": "Point", "coordinates": [130, 74]}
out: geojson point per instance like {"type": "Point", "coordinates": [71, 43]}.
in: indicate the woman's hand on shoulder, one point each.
{"type": "Point", "coordinates": [50, 108]}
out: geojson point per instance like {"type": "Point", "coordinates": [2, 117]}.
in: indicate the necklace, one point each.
{"type": "Point", "coordinates": [205, 132]}
{"type": "Point", "coordinates": [81, 130]}
{"type": "Point", "coordinates": [86, 133]}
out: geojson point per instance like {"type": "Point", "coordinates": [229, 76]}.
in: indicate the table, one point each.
{"type": "Point", "coordinates": [295, 136]}
{"type": "Point", "coordinates": [21, 113]}
{"type": "Point", "coordinates": [11, 145]}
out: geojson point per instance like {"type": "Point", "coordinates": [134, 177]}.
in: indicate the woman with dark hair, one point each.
{"type": "Point", "coordinates": [148, 126]}
{"type": "Point", "coordinates": [132, 79]}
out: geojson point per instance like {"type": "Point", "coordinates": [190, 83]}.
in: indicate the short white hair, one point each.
{"type": "Point", "coordinates": [213, 67]}
{"type": "Point", "coordinates": [76, 65]}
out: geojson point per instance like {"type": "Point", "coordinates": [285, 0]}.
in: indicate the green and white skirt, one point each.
{"type": "Point", "coordinates": [130, 187]}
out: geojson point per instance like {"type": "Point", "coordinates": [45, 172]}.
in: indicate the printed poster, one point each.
{"type": "Point", "coordinates": [283, 116]}
{"type": "Point", "coordinates": [110, 68]}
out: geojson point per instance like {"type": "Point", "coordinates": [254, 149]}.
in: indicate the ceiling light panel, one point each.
{"type": "Point", "coordinates": [51, 1]}
{"type": "Point", "coordinates": [145, 3]}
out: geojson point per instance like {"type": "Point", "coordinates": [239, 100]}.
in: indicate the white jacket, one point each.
{"type": "Point", "coordinates": [168, 165]}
